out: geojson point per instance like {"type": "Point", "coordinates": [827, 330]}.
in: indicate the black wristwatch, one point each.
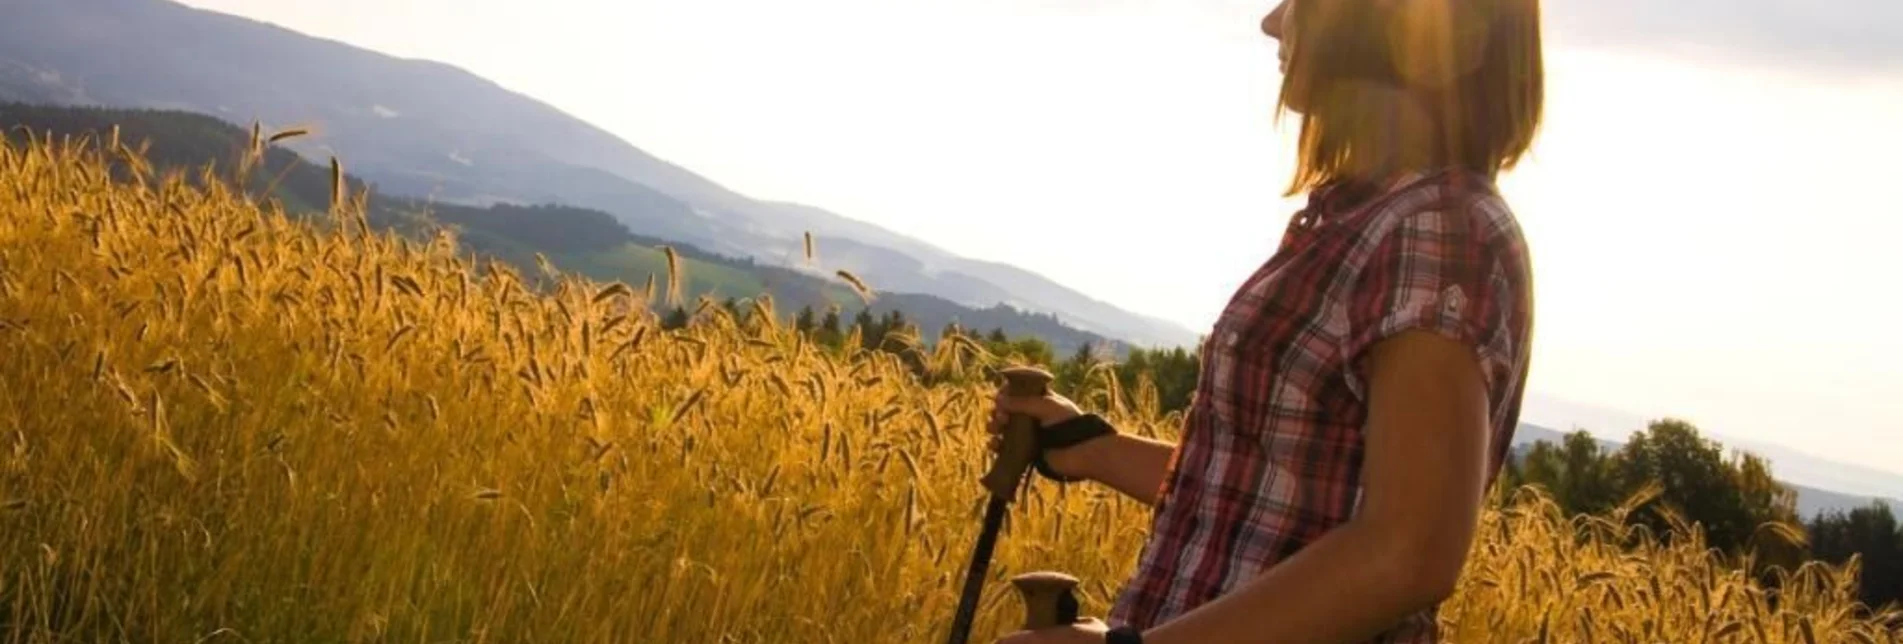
{"type": "Point", "coordinates": [1123, 635]}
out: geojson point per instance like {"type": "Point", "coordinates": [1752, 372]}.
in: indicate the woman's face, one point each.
{"type": "Point", "coordinates": [1276, 25]}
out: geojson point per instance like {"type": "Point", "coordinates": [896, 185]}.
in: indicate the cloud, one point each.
{"type": "Point", "coordinates": [1853, 37]}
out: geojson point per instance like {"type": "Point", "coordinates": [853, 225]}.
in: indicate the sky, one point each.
{"type": "Point", "coordinates": [1710, 205]}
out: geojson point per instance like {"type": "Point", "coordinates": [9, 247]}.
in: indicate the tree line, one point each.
{"type": "Point", "coordinates": [1733, 497]}
{"type": "Point", "coordinates": [1168, 373]}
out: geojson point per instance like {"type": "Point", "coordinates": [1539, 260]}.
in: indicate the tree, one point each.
{"type": "Point", "coordinates": [1543, 466]}
{"type": "Point", "coordinates": [829, 332]}
{"type": "Point", "coordinates": [676, 319]}
{"type": "Point", "coordinates": [1027, 351]}
{"type": "Point", "coordinates": [870, 331]}
{"type": "Point", "coordinates": [1872, 533]}
{"type": "Point", "coordinates": [894, 323]}
{"type": "Point", "coordinates": [1175, 373]}
{"type": "Point", "coordinates": [1589, 483]}
{"type": "Point", "coordinates": [1083, 356]}
{"type": "Point", "coordinates": [1734, 499]}
{"type": "Point", "coordinates": [1702, 485]}
{"type": "Point", "coordinates": [1760, 493]}
{"type": "Point", "coordinates": [1069, 374]}
{"type": "Point", "coordinates": [804, 322]}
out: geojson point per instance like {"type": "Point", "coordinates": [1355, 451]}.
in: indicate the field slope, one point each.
{"type": "Point", "coordinates": [222, 424]}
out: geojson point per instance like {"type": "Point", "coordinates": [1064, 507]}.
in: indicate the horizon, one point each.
{"type": "Point", "coordinates": [1037, 118]}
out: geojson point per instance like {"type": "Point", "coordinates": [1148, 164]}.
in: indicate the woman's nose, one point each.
{"type": "Point", "coordinates": [1272, 23]}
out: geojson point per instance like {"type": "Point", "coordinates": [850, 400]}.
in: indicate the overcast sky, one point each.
{"type": "Point", "coordinates": [1710, 206]}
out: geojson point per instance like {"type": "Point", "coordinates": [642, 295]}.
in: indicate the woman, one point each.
{"type": "Point", "coordinates": [1359, 392]}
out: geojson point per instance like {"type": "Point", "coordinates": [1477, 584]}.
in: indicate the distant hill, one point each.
{"type": "Point", "coordinates": [432, 130]}
{"type": "Point", "coordinates": [1810, 500]}
{"type": "Point", "coordinates": [584, 241]}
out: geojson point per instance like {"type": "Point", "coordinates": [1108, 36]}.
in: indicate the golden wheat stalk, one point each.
{"type": "Point", "coordinates": [676, 276]}
{"type": "Point", "coordinates": [336, 185]}
{"type": "Point", "coordinates": [858, 286]}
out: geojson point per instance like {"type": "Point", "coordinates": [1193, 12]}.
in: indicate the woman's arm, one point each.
{"type": "Point", "coordinates": [1424, 481]}
{"type": "Point", "coordinates": [1130, 464]}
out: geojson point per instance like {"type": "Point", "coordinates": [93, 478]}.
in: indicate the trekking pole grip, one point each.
{"type": "Point", "coordinates": [1018, 445]}
{"type": "Point", "coordinates": [1048, 599]}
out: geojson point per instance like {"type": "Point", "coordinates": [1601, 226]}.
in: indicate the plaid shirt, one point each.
{"type": "Point", "coordinates": [1271, 452]}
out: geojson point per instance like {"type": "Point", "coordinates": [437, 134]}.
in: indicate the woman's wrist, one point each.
{"type": "Point", "coordinates": [1059, 455]}
{"type": "Point", "coordinates": [1078, 461]}
{"type": "Point", "coordinates": [1124, 635]}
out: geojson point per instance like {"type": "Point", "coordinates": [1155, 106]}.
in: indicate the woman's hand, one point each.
{"type": "Point", "coordinates": [1089, 631]}
{"type": "Point", "coordinates": [1049, 409]}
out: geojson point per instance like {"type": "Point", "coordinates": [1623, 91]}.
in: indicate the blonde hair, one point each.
{"type": "Point", "coordinates": [1465, 77]}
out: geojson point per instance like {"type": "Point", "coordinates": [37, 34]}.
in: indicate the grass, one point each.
{"type": "Point", "coordinates": [220, 424]}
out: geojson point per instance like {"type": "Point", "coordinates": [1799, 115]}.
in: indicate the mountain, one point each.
{"type": "Point", "coordinates": [1810, 500]}
{"type": "Point", "coordinates": [584, 241]}
{"type": "Point", "coordinates": [430, 129]}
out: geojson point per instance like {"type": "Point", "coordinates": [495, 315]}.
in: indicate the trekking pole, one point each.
{"type": "Point", "coordinates": [1047, 595]}
{"type": "Point", "coordinates": [1048, 600]}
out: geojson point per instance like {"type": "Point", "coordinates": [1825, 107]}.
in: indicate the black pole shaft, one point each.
{"type": "Point", "coordinates": [975, 575]}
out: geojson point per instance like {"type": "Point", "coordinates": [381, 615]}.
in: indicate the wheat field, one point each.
{"type": "Point", "coordinates": [220, 423]}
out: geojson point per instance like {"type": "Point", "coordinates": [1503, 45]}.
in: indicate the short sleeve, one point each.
{"type": "Point", "coordinates": [1436, 271]}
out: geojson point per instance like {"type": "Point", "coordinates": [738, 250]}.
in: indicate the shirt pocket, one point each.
{"type": "Point", "coordinates": [1220, 351]}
